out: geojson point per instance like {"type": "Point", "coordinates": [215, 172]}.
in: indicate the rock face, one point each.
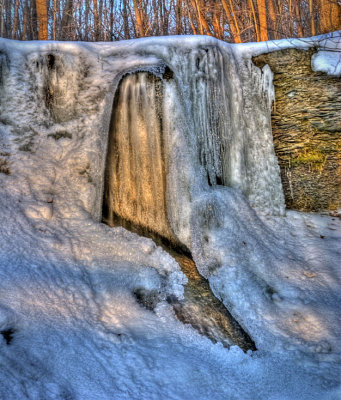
{"type": "Point", "coordinates": [306, 128]}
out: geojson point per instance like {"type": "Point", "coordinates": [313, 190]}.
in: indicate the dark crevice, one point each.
{"type": "Point", "coordinates": [8, 335]}
{"type": "Point", "coordinates": [171, 245]}
{"type": "Point", "coordinates": [168, 74]}
{"type": "Point", "coordinates": [209, 179]}
{"type": "Point", "coordinates": [219, 181]}
{"type": "Point", "coordinates": [51, 61]}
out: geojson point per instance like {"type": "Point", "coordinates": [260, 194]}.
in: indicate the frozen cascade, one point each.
{"type": "Point", "coordinates": [136, 169]}
{"type": "Point", "coordinates": [175, 134]}
{"type": "Point", "coordinates": [135, 197]}
{"type": "Point", "coordinates": [209, 111]}
{"type": "Point", "coordinates": [231, 115]}
{"type": "Point", "coordinates": [201, 109]}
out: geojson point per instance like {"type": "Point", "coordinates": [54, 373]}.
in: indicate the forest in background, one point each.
{"type": "Point", "coordinates": [234, 21]}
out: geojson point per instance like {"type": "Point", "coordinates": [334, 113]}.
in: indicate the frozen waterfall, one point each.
{"type": "Point", "coordinates": [135, 197]}
{"type": "Point", "coordinates": [136, 166]}
{"type": "Point", "coordinates": [170, 135]}
{"type": "Point", "coordinates": [189, 124]}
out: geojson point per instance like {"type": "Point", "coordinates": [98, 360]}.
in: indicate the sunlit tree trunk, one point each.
{"type": "Point", "coordinates": [329, 15]}
{"type": "Point", "coordinates": [263, 29]}
{"type": "Point", "coordinates": [202, 18]}
{"type": "Point", "coordinates": [312, 17]}
{"type": "Point", "coordinates": [298, 19]}
{"type": "Point", "coordinates": [42, 19]}
{"type": "Point", "coordinates": [217, 25]}
{"type": "Point", "coordinates": [254, 19]}
{"type": "Point", "coordinates": [273, 19]}
{"type": "Point", "coordinates": [139, 15]}
{"type": "Point", "coordinates": [196, 7]}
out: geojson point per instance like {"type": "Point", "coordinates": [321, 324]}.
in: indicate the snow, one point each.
{"type": "Point", "coordinates": [67, 281]}
{"type": "Point", "coordinates": [327, 62]}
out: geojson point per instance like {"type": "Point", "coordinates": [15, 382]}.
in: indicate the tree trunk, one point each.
{"type": "Point", "coordinates": [1, 19]}
{"type": "Point", "coordinates": [330, 15]}
{"type": "Point", "coordinates": [165, 22]}
{"type": "Point", "coordinates": [32, 33]}
{"type": "Point", "coordinates": [99, 21]}
{"type": "Point", "coordinates": [86, 20]}
{"type": "Point", "coordinates": [125, 20]}
{"type": "Point", "coordinates": [15, 21]}
{"type": "Point", "coordinates": [178, 16]}
{"type": "Point", "coordinates": [203, 21]}
{"type": "Point", "coordinates": [95, 20]}
{"type": "Point", "coordinates": [42, 19]}
{"type": "Point", "coordinates": [312, 17]}
{"type": "Point", "coordinates": [139, 18]}
{"type": "Point", "coordinates": [55, 11]}
{"type": "Point", "coordinates": [196, 7]}
{"type": "Point", "coordinates": [263, 29]}
{"type": "Point", "coordinates": [25, 21]}
{"type": "Point", "coordinates": [218, 28]}
{"type": "Point", "coordinates": [254, 19]}
{"type": "Point", "coordinates": [272, 15]}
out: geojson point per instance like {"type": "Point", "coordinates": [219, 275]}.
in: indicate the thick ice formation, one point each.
{"type": "Point", "coordinates": [230, 132]}
{"type": "Point", "coordinates": [136, 170]}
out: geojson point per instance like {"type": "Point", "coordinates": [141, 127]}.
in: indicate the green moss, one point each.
{"type": "Point", "coordinates": [314, 158]}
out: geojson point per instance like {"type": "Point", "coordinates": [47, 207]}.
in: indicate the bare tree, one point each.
{"type": "Point", "coordinates": [230, 20]}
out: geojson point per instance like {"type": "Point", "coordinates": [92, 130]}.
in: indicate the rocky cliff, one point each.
{"type": "Point", "coordinates": [306, 127]}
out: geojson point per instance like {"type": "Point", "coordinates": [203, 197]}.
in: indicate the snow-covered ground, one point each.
{"type": "Point", "coordinates": [67, 280]}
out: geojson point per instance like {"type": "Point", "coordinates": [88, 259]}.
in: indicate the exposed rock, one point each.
{"type": "Point", "coordinates": [306, 128]}
{"type": "Point", "coordinates": [4, 168]}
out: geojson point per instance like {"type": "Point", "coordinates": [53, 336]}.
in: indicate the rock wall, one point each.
{"type": "Point", "coordinates": [306, 128]}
